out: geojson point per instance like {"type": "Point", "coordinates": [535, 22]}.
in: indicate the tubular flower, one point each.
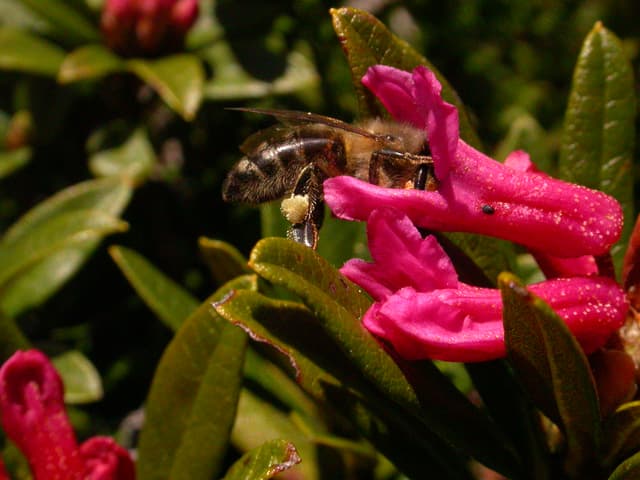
{"type": "Point", "coordinates": [476, 193]}
{"type": "Point", "coordinates": [34, 418]}
{"type": "Point", "coordinates": [425, 312]}
{"type": "Point", "coordinates": [147, 27]}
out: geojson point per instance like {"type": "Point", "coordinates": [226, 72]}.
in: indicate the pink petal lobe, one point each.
{"type": "Point", "coordinates": [104, 459]}
{"type": "Point", "coordinates": [34, 418]}
{"type": "Point", "coordinates": [442, 120]}
{"type": "Point", "coordinates": [394, 88]}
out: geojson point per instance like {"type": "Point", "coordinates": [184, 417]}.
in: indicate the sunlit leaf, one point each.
{"type": "Point", "coordinates": [25, 52]}
{"type": "Point", "coordinates": [87, 62]}
{"type": "Point", "coordinates": [68, 24]}
{"type": "Point", "coordinates": [598, 138]}
{"type": "Point", "coordinates": [265, 461]}
{"type": "Point", "coordinates": [627, 470]}
{"type": "Point", "coordinates": [82, 382]}
{"type": "Point", "coordinates": [553, 369]}
{"type": "Point", "coordinates": [38, 281]}
{"type": "Point", "coordinates": [192, 403]}
{"type": "Point", "coordinates": [621, 433]}
{"type": "Point", "coordinates": [178, 79]}
{"type": "Point", "coordinates": [11, 161]}
{"type": "Point", "coordinates": [168, 300]}
{"type": "Point", "coordinates": [257, 422]}
{"type": "Point", "coordinates": [134, 158]}
{"type": "Point", "coordinates": [223, 259]}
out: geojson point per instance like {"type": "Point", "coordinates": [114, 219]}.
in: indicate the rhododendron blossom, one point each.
{"type": "Point", "coordinates": [425, 312]}
{"type": "Point", "coordinates": [34, 418]}
{"type": "Point", "coordinates": [147, 27]}
{"type": "Point", "coordinates": [476, 193]}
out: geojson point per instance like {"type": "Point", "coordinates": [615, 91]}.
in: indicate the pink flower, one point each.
{"type": "Point", "coordinates": [34, 418]}
{"type": "Point", "coordinates": [425, 312]}
{"type": "Point", "coordinates": [147, 27]}
{"type": "Point", "coordinates": [476, 193]}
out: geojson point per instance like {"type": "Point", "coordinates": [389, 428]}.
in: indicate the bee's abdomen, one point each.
{"type": "Point", "coordinates": [270, 171]}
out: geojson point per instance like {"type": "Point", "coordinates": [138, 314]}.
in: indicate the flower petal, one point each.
{"type": "Point", "coordinates": [34, 418]}
{"type": "Point", "coordinates": [104, 459]}
{"type": "Point", "coordinates": [400, 255]}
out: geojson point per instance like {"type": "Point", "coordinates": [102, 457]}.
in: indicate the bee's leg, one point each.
{"type": "Point", "coordinates": [425, 177]}
{"type": "Point", "coordinates": [305, 208]}
{"type": "Point", "coordinates": [402, 170]}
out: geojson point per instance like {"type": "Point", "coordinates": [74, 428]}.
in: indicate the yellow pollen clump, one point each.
{"type": "Point", "coordinates": [295, 208]}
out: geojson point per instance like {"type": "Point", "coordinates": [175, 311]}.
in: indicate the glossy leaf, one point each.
{"type": "Point", "coordinates": [11, 337]}
{"type": "Point", "coordinates": [338, 306]}
{"type": "Point", "coordinates": [87, 62]}
{"type": "Point", "coordinates": [325, 372]}
{"type": "Point", "coordinates": [82, 382]}
{"type": "Point", "coordinates": [13, 160]}
{"type": "Point", "coordinates": [65, 230]}
{"type": "Point", "coordinates": [627, 470]}
{"type": "Point", "coordinates": [230, 81]}
{"type": "Point", "coordinates": [192, 402]}
{"type": "Point", "coordinates": [598, 139]}
{"type": "Point", "coordinates": [37, 282]}
{"type": "Point", "coordinates": [133, 159]}
{"type": "Point", "coordinates": [168, 300]}
{"type": "Point", "coordinates": [366, 41]}
{"type": "Point", "coordinates": [24, 52]}
{"type": "Point", "coordinates": [258, 421]}
{"type": "Point", "coordinates": [178, 79]}
{"type": "Point", "coordinates": [223, 259]}
{"type": "Point", "coordinates": [621, 433]}
{"type": "Point", "coordinates": [265, 461]}
{"type": "Point", "coordinates": [69, 24]}
{"type": "Point", "coordinates": [107, 195]}
{"type": "Point", "coordinates": [553, 369]}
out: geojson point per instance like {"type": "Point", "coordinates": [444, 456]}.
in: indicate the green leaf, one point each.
{"type": "Point", "coordinates": [168, 300]}
{"type": "Point", "coordinates": [28, 53]}
{"type": "Point", "coordinates": [325, 372]}
{"type": "Point", "coordinates": [35, 282]}
{"type": "Point", "coordinates": [133, 159]}
{"type": "Point", "coordinates": [108, 195]}
{"type": "Point", "coordinates": [621, 433]}
{"type": "Point", "coordinates": [367, 42]}
{"type": "Point", "coordinates": [13, 160]}
{"type": "Point", "coordinates": [338, 306]}
{"type": "Point", "coordinates": [11, 338]}
{"type": "Point", "coordinates": [340, 241]}
{"type": "Point", "coordinates": [525, 133]}
{"type": "Point", "coordinates": [67, 23]}
{"type": "Point", "coordinates": [627, 470]}
{"type": "Point", "coordinates": [65, 230]}
{"type": "Point", "coordinates": [178, 79]}
{"type": "Point", "coordinates": [259, 421]}
{"type": "Point", "coordinates": [192, 403]}
{"type": "Point", "coordinates": [88, 62]}
{"type": "Point", "coordinates": [553, 369]}
{"type": "Point", "coordinates": [82, 383]}
{"type": "Point", "coordinates": [264, 462]}
{"type": "Point", "coordinates": [223, 259]}
{"type": "Point", "coordinates": [598, 139]}
{"type": "Point", "coordinates": [231, 81]}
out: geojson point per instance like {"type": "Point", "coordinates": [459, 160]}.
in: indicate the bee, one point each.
{"type": "Point", "coordinates": [292, 159]}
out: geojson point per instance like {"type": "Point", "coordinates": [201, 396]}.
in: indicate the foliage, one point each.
{"type": "Point", "coordinates": [249, 357]}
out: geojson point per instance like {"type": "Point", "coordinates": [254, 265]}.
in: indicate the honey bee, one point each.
{"type": "Point", "coordinates": [292, 159]}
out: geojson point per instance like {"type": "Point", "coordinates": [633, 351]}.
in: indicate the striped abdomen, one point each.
{"type": "Point", "coordinates": [271, 170]}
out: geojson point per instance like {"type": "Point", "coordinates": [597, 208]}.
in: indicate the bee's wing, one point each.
{"type": "Point", "coordinates": [294, 117]}
{"type": "Point", "coordinates": [270, 134]}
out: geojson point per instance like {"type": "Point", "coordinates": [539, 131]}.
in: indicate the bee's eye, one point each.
{"type": "Point", "coordinates": [390, 138]}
